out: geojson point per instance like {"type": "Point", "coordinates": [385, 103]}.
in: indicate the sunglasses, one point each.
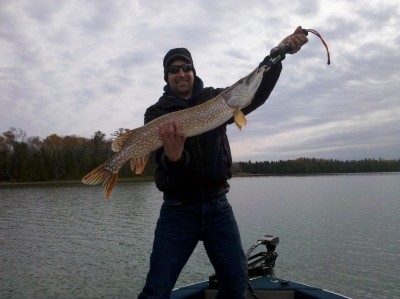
{"type": "Point", "coordinates": [175, 68]}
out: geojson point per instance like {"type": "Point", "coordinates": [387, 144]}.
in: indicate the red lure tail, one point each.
{"type": "Point", "coordinates": [322, 40]}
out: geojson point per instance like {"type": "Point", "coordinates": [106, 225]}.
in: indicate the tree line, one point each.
{"type": "Point", "coordinates": [32, 159]}
{"type": "Point", "coordinates": [316, 166]}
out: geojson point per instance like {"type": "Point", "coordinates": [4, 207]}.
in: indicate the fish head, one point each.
{"type": "Point", "coordinates": [240, 94]}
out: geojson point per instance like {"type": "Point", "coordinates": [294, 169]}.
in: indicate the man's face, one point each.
{"type": "Point", "coordinates": [181, 83]}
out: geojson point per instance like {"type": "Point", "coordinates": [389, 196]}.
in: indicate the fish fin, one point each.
{"type": "Point", "coordinates": [240, 119]}
{"type": "Point", "coordinates": [101, 175]}
{"type": "Point", "coordinates": [138, 164]}
{"type": "Point", "coordinates": [119, 142]}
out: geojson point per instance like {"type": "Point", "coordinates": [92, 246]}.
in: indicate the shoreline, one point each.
{"type": "Point", "coordinates": [151, 179]}
{"type": "Point", "coordinates": [72, 182]}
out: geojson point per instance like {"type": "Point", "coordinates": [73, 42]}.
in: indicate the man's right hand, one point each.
{"type": "Point", "coordinates": [173, 140]}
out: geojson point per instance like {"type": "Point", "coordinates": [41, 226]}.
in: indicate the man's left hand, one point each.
{"type": "Point", "coordinates": [295, 40]}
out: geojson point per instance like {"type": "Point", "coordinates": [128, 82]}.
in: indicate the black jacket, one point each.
{"type": "Point", "coordinates": [206, 163]}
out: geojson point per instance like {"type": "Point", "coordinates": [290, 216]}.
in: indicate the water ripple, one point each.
{"type": "Point", "coordinates": [67, 241]}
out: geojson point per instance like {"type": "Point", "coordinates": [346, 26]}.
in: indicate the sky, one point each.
{"type": "Point", "coordinates": [78, 67]}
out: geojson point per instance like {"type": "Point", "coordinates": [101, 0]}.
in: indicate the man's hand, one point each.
{"type": "Point", "coordinates": [295, 40]}
{"type": "Point", "coordinates": [173, 140]}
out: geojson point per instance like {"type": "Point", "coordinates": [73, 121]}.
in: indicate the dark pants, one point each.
{"type": "Point", "coordinates": [182, 224]}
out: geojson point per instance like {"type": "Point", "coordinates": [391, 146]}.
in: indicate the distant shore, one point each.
{"type": "Point", "coordinates": [56, 182]}
{"type": "Point", "coordinates": [150, 178]}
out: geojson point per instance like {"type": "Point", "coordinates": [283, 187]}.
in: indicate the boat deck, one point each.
{"type": "Point", "coordinates": [265, 288]}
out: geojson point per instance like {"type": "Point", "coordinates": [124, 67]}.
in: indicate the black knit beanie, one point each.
{"type": "Point", "coordinates": [176, 54]}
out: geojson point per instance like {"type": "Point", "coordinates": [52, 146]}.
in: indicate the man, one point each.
{"type": "Point", "coordinates": [192, 173]}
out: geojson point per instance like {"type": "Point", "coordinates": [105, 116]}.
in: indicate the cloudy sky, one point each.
{"type": "Point", "coordinates": [76, 67]}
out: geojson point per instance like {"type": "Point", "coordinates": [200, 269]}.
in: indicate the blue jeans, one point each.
{"type": "Point", "coordinates": [181, 225]}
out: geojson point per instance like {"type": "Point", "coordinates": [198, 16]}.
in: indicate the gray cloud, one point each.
{"type": "Point", "coordinates": [75, 67]}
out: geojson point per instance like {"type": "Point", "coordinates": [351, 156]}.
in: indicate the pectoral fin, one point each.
{"type": "Point", "coordinates": [138, 164]}
{"type": "Point", "coordinates": [240, 119]}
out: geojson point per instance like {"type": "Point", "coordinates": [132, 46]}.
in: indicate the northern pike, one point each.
{"type": "Point", "coordinates": [137, 144]}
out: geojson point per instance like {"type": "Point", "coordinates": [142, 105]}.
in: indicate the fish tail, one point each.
{"type": "Point", "coordinates": [101, 175]}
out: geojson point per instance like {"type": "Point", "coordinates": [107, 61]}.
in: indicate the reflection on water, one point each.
{"type": "Point", "coordinates": [337, 232]}
{"type": "Point", "coordinates": [70, 242]}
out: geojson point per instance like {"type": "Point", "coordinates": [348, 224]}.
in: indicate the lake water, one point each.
{"type": "Point", "coordinates": [338, 232]}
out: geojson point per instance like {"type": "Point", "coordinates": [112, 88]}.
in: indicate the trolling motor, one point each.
{"type": "Point", "coordinates": [262, 263]}
{"type": "Point", "coordinates": [259, 264]}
